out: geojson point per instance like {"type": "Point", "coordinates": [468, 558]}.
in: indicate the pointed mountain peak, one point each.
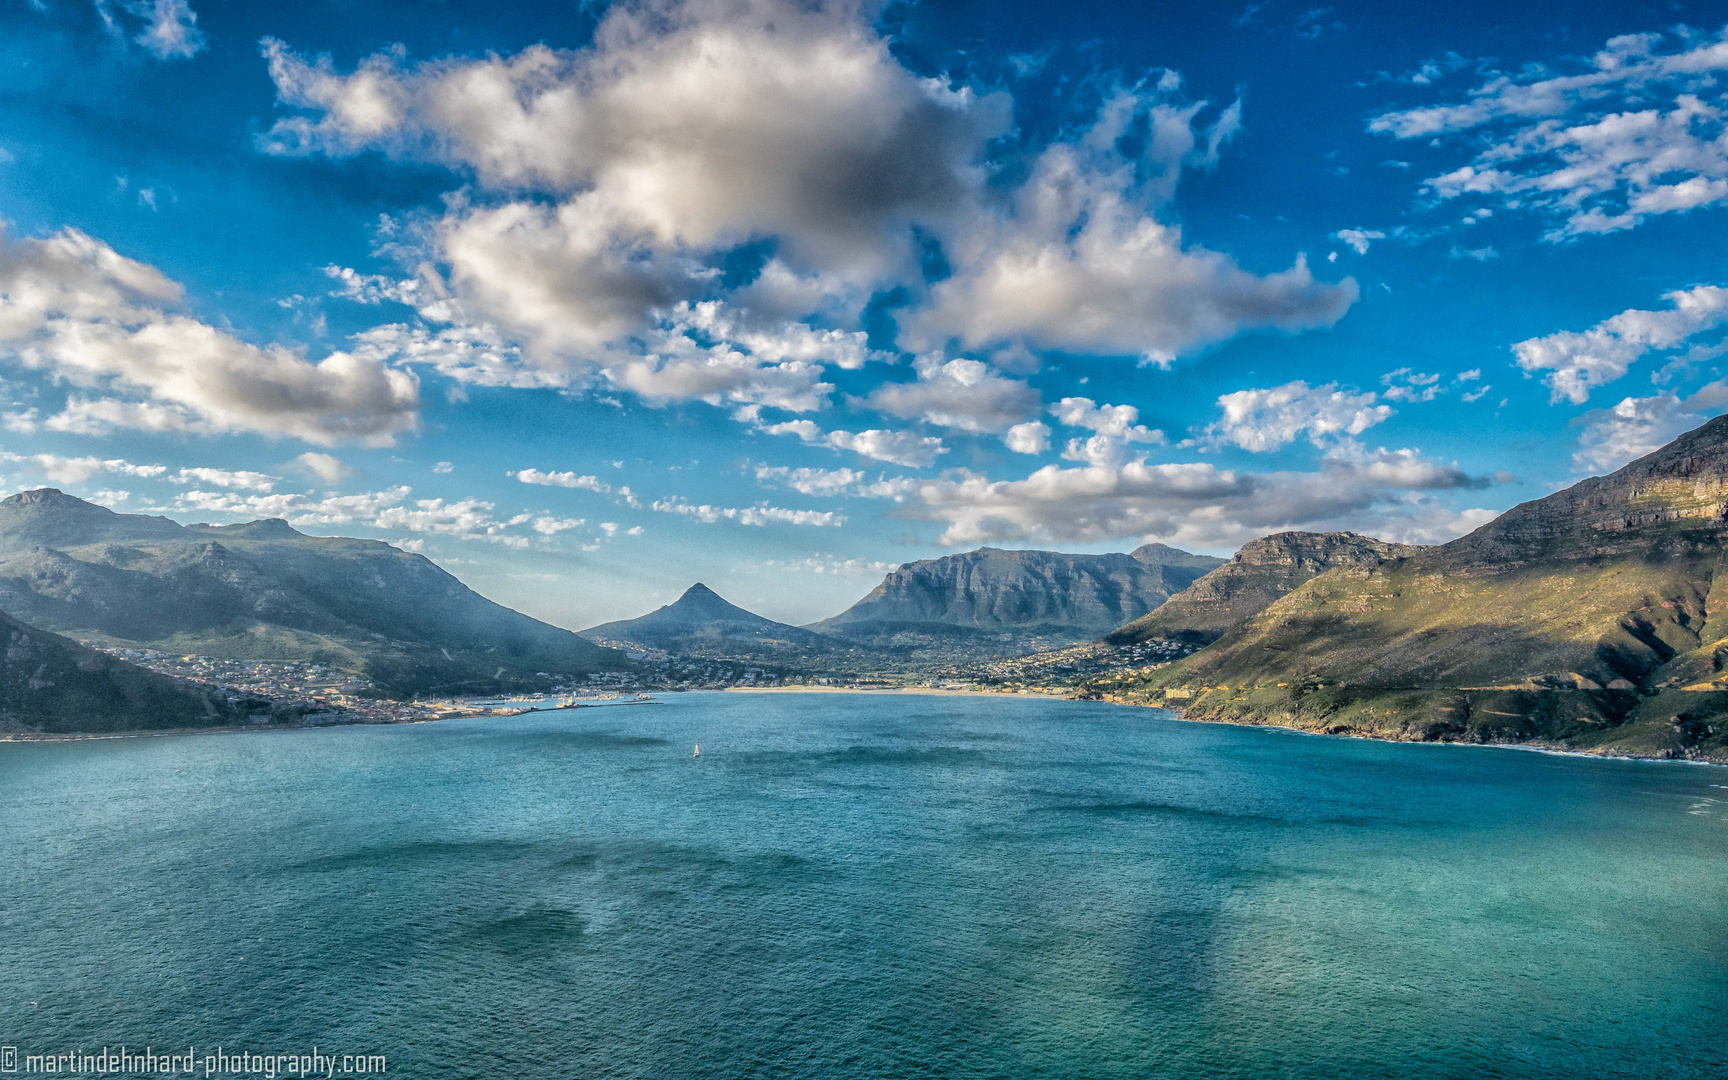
{"type": "Point", "coordinates": [702, 620]}
{"type": "Point", "coordinates": [701, 602]}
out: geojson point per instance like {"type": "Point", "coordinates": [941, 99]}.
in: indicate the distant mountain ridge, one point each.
{"type": "Point", "coordinates": [700, 622]}
{"type": "Point", "coordinates": [263, 590]}
{"type": "Point", "coordinates": [1255, 577]}
{"type": "Point", "coordinates": [994, 591]}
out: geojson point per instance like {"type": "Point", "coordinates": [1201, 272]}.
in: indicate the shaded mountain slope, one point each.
{"type": "Point", "coordinates": [1258, 575]}
{"type": "Point", "coordinates": [49, 684]}
{"type": "Point", "coordinates": [1609, 592]}
{"type": "Point", "coordinates": [263, 590]}
{"type": "Point", "coordinates": [701, 623]}
{"type": "Point", "coordinates": [993, 591]}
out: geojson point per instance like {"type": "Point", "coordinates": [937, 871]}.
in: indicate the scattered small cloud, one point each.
{"type": "Point", "coordinates": [325, 467]}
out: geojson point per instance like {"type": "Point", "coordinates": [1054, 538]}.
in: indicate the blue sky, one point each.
{"type": "Point", "coordinates": [588, 302]}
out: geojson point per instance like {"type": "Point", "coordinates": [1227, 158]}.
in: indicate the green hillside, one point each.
{"type": "Point", "coordinates": [1591, 619]}
{"type": "Point", "coordinates": [51, 685]}
{"type": "Point", "coordinates": [1254, 578]}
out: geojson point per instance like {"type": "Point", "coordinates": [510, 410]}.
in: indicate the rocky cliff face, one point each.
{"type": "Point", "coordinates": [1680, 491]}
{"type": "Point", "coordinates": [994, 591]}
{"type": "Point", "coordinates": [1257, 576]}
{"type": "Point", "coordinates": [265, 591]}
{"type": "Point", "coordinates": [702, 623]}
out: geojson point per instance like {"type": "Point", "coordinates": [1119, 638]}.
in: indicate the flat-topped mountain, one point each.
{"type": "Point", "coordinates": [701, 623]}
{"type": "Point", "coordinates": [48, 517]}
{"type": "Point", "coordinates": [265, 591]}
{"type": "Point", "coordinates": [49, 684]}
{"type": "Point", "coordinates": [1612, 589]}
{"type": "Point", "coordinates": [994, 591]}
{"type": "Point", "coordinates": [1259, 574]}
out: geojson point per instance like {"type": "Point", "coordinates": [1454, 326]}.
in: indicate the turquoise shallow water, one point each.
{"type": "Point", "coordinates": [882, 886]}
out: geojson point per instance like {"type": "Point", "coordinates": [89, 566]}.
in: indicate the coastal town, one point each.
{"type": "Point", "coordinates": [313, 695]}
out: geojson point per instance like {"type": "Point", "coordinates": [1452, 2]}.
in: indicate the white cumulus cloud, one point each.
{"type": "Point", "coordinates": [72, 306]}
{"type": "Point", "coordinates": [1579, 361]}
{"type": "Point", "coordinates": [963, 394]}
{"type": "Point", "coordinates": [895, 447]}
{"type": "Point", "coordinates": [1032, 437]}
{"type": "Point", "coordinates": [1196, 503]}
{"type": "Point", "coordinates": [1113, 427]}
{"type": "Point", "coordinates": [853, 483]}
{"type": "Point", "coordinates": [76, 470]}
{"type": "Point", "coordinates": [562, 479]}
{"type": "Point", "coordinates": [609, 180]}
{"type": "Point", "coordinates": [1636, 426]}
{"type": "Point", "coordinates": [1273, 417]}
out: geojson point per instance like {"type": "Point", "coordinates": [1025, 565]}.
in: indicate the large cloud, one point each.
{"type": "Point", "coordinates": [72, 306]}
{"type": "Point", "coordinates": [609, 181]}
{"type": "Point", "coordinates": [1078, 262]}
{"type": "Point", "coordinates": [698, 124]}
{"type": "Point", "coordinates": [1639, 132]}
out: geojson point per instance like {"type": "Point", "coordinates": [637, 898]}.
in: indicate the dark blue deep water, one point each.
{"type": "Point", "coordinates": [867, 886]}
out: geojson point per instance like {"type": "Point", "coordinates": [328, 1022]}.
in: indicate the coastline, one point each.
{"type": "Point", "coordinates": [1175, 714]}
{"type": "Point", "coordinates": [924, 691]}
{"type": "Point", "coordinates": [233, 729]}
{"type": "Point", "coordinates": [1529, 747]}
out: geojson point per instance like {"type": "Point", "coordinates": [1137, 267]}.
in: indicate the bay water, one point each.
{"type": "Point", "coordinates": [865, 885]}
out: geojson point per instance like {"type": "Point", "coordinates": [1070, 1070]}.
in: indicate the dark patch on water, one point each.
{"type": "Point", "coordinates": [648, 857]}
{"type": "Point", "coordinates": [697, 866]}
{"type": "Point", "coordinates": [585, 858]}
{"type": "Point", "coordinates": [1249, 876]}
{"type": "Point", "coordinates": [1354, 821]}
{"type": "Point", "coordinates": [585, 740]}
{"type": "Point", "coordinates": [853, 756]}
{"type": "Point", "coordinates": [1126, 809]}
{"type": "Point", "coordinates": [540, 932]}
{"type": "Point", "coordinates": [414, 854]}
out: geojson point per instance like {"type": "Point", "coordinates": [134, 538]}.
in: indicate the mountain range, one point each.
{"type": "Point", "coordinates": [1015, 595]}
{"type": "Point", "coordinates": [265, 591]}
{"type": "Point", "coordinates": [1591, 618]}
